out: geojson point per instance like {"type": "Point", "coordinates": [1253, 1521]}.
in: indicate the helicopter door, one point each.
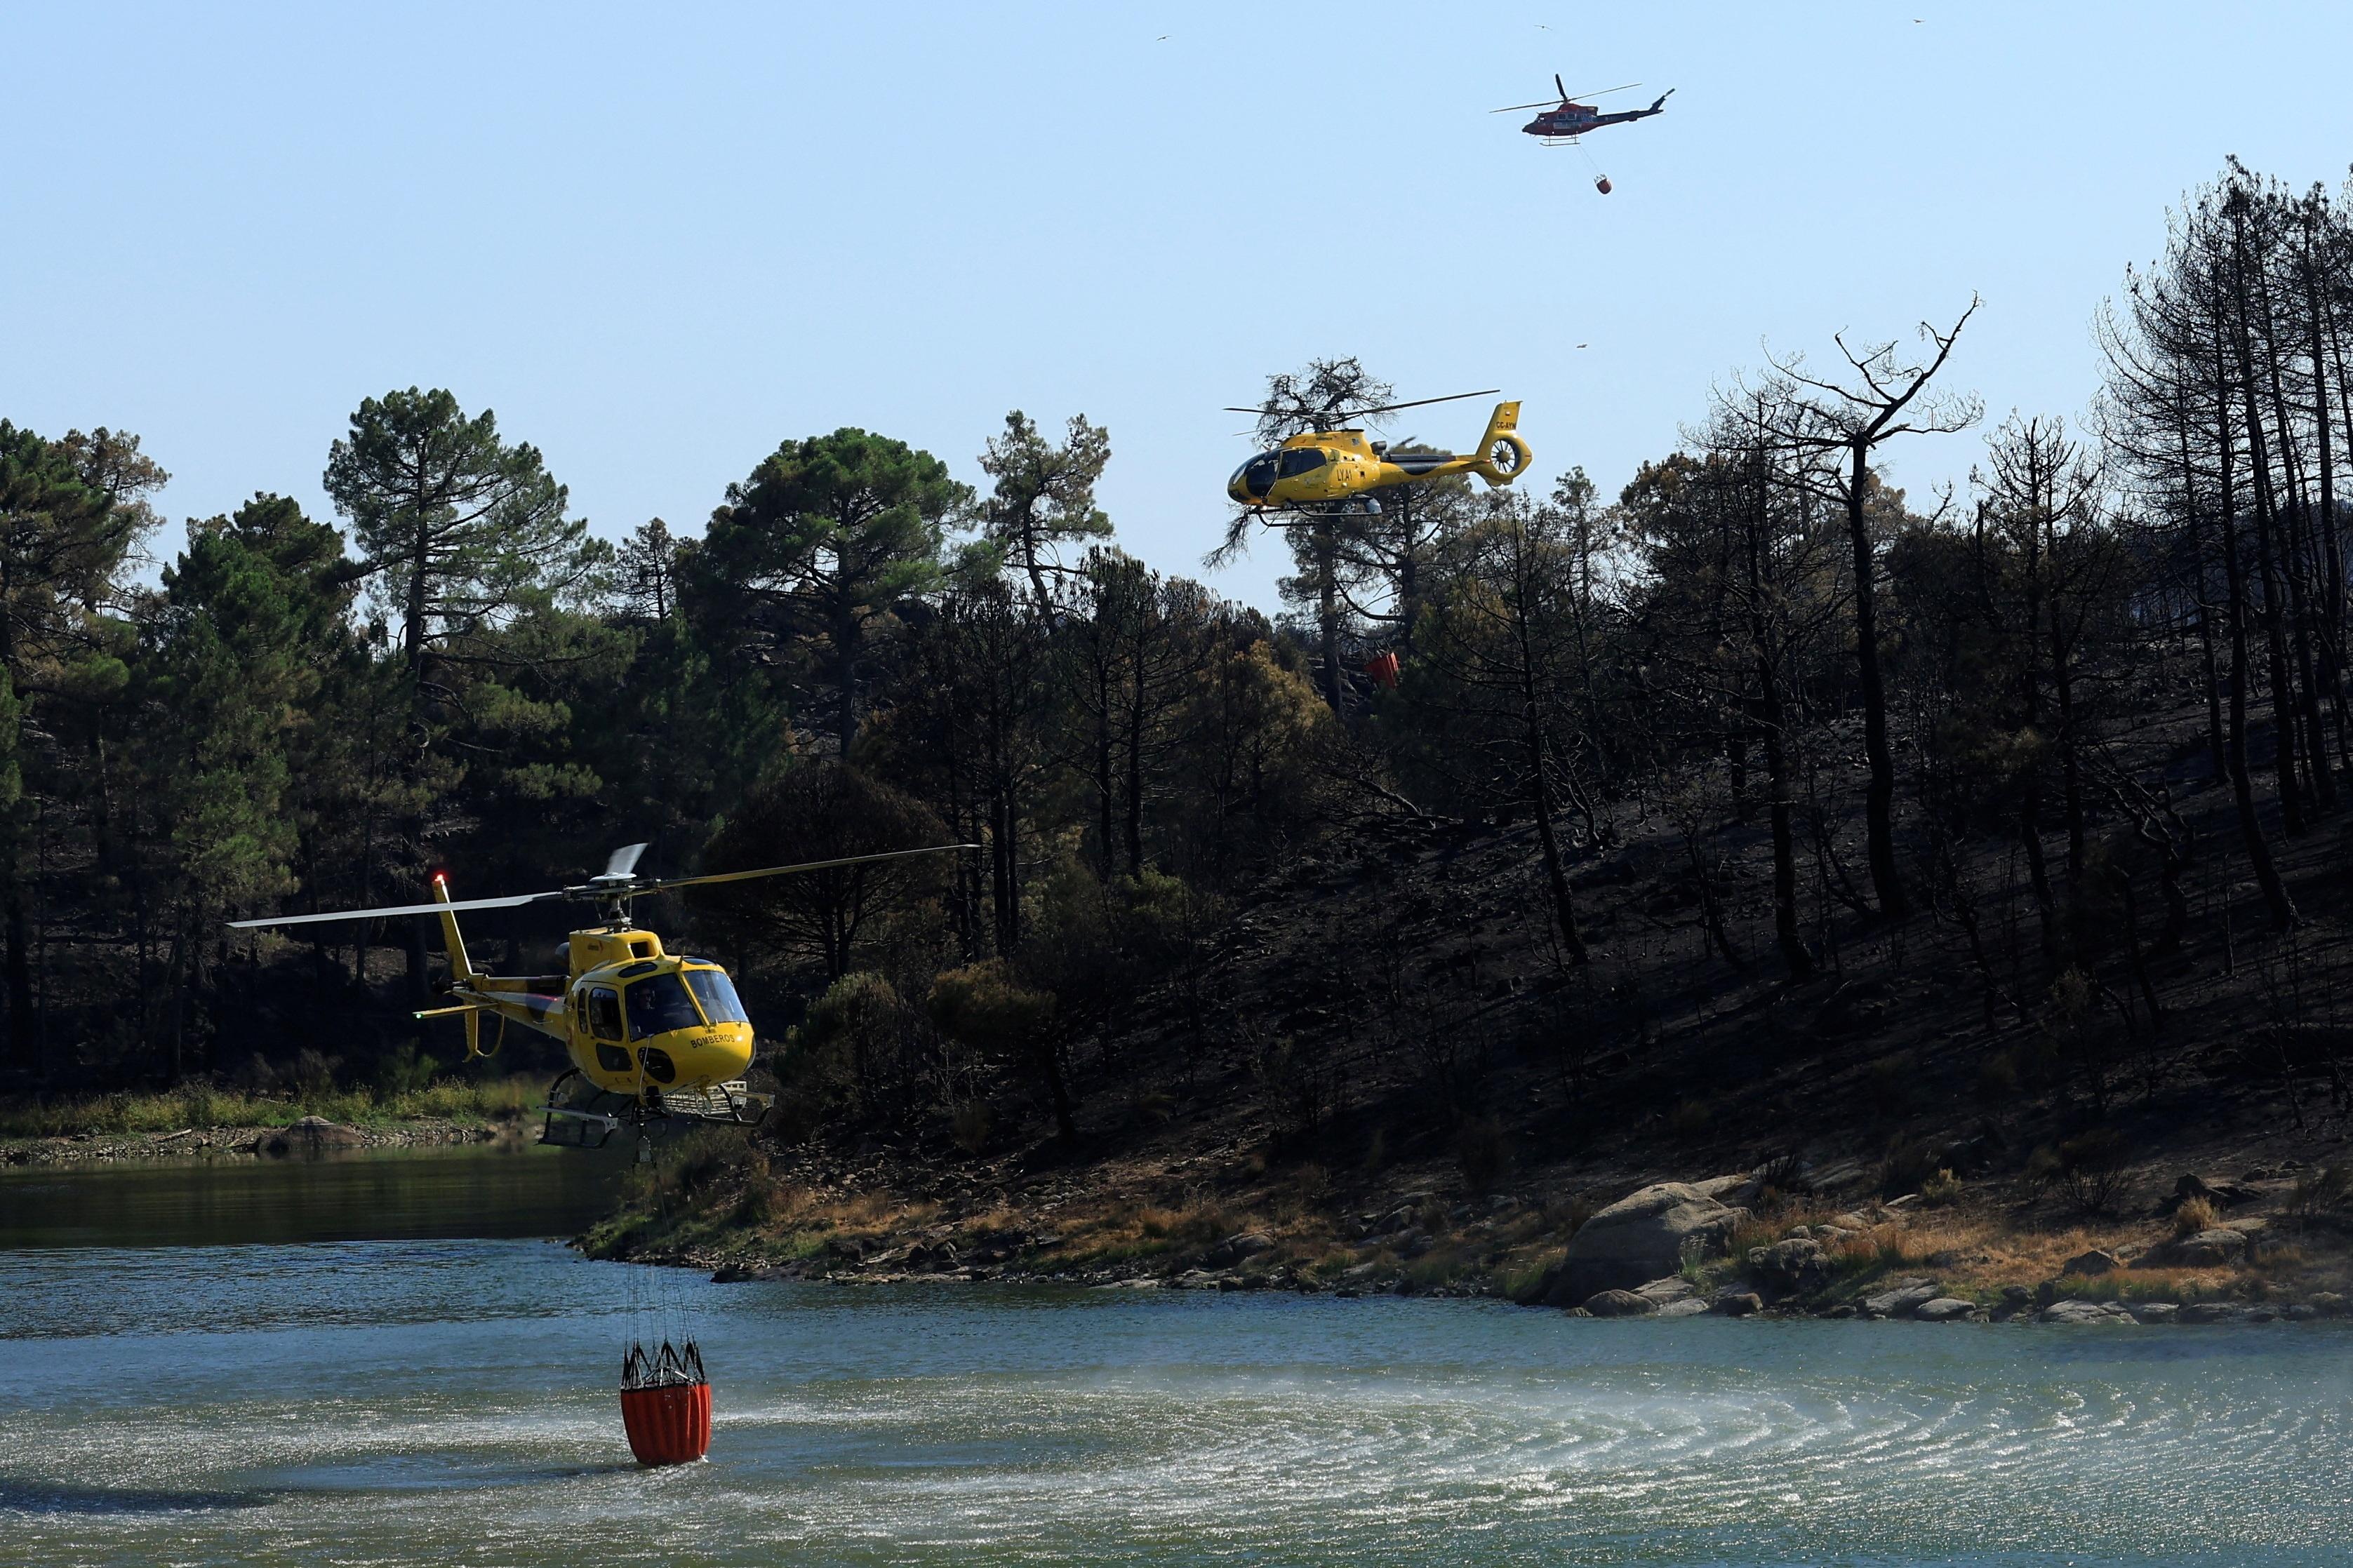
{"type": "Point", "coordinates": [605, 1022]}
{"type": "Point", "coordinates": [1302, 460]}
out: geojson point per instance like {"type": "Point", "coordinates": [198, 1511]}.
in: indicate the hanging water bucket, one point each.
{"type": "Point", "coordinates": [666, 1404]}
{"type": "Point", "coordinates": [1601, 183]}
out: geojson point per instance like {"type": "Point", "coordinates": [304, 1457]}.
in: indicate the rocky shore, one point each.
{"type": "Point", "coordinates": [2257, 1248]}
{"type": "Point", "coordinates": [311, 1135]}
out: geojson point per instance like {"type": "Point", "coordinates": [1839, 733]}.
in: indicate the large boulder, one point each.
{"type": "Point", "coordinates": [1943, 1310]}
{"type": "Point", "coordinates": [1643, 1236]}
{"type": "Point", "coordinates": [2075, 1311]}
{"type": "Point", "coordinates": [2217, 1248]}
{"type": "Point", "coordinates": [1731, 1191]}
{"type": "Point", "coordinates": [311, 1135]}
{"type": "Point", "coordinates": [1797, 1266]}
{"type": "Point", "coordinates": [1234, 1249]}
{"type": "Point", "coordinates": [1619, 1304]}
{"type": "Point", "coordinates": [2211, 1312]}
{"type": "Point", "coordinates": [1900, 1298]}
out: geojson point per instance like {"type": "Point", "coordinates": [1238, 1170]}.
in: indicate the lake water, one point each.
{"type": "Point", "coordinates": [403, 1395]}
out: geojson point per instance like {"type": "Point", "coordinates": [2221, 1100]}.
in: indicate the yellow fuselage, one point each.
{"type": "Point", "coordinates": [636, 1020]}
{"type": "Point", "coordinates": [1324, 467]}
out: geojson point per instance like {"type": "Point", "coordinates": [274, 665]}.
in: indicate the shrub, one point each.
{"type": "Point", "coordinates": [1299, 1086]}
{"type": "Point", "coordinates": [2194, 1216]}
{"type": "Point", "coordinates": [2319, 1195]}
{"type": "Point", "coordinates": [1907, 1169]}
{"type": "Point", "coordinates": [704, 1157]}
{"type": "Point", "coordinates": [1997, 1078]}
{"type": "Point", "coordinates": [2092, 1166]}
{"type": "Point", "coordinates": [1483, 1152]}
{"type": "Point", "coordinates": [406, 1070]}
{"type": "Point", "coordinates": [1567, 1219]}
{"type": "Point", "coordinates": [314, 1075]}
{"type": "Point", "coordinates": [969, 1125]}
{"type": "Point", "coordinates": [1942, 1189]}
{"type": "Point", "coordinates": [1781, 1178]}
{"type": "Point", "coordinates": [763, 1197]}
{"type": "Point", "coordinates": [856, 1034]}
{"type": "Point", "coordinates": [1524, 1279]}
{"type": "Point", "coordinates": [1888, 1087]}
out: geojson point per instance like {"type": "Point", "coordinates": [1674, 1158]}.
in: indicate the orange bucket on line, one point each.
{"type": "Point", "coordinates": [666, 1404]}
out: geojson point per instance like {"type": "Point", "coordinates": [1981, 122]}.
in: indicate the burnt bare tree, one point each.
{"type": "Point", "coordinates": [1881, 397]}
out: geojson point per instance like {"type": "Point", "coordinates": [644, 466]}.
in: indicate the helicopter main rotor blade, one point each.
{"type": "Point", "coordinates": [1565, 98]}
{"type": "Point", "coordinates": [624, 861]}
{"type": "Point", "coordinates": [1419, 402]}
{"type": "Point", "coordinates": [1360, 413]}
{"type": "Point", "coordinates": [507, 903]}
{"type": "Point", "coordinates": [787, 870]}
{"type": "Point", "coordinates": [1558, 89]}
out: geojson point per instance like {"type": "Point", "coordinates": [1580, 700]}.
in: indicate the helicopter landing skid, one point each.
{"type": "Point", "coordinates": [1355, 509]}
{"type": "Point", "coordinates": [589, 1121]}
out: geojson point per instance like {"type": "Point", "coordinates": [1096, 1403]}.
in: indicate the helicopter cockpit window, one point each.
{"type": "Point", "coordinates": [658, 1003]}
{"type": "Point", "coordinates": [605, 1013]}
{"type": "Point", "coordinates": [1302, 460]}
{"type": "Point", "coordinates": [1256, 476]}
{"type": "Point", "coordinates": [717, 994]}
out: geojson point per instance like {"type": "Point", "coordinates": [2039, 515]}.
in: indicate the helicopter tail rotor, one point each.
{"type": "Point", "coordinates": [1502, 453]}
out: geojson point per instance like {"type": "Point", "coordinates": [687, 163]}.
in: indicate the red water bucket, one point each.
{"type": "Point", "coordinates": [1601, 183]}
{"type": "Point", "coordinates": [669, 1424]}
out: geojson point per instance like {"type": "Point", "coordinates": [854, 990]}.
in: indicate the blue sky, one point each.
{"type": "Point", "coordinates": [657, 241]}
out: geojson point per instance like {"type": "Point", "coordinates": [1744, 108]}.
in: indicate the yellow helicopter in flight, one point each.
{"type": "Point", "coordinates": [653, 1037]}
{"type": "Point", "coordinates": [1338, 471]}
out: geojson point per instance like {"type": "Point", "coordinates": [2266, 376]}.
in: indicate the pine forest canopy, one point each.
{"type": "Point", "coordinates": [1897, 692]}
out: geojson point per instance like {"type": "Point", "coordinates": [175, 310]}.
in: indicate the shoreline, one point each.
{"type": "Point", "coordinates": [2030, 1310]}
{"type": "Point", "coordinates": [2243, 1251]}
{"type": "Point", "coordinates": [306, 1136]}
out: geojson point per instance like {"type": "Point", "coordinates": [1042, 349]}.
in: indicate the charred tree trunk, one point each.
{"type": "Point", "coordinates": [1879, 794]}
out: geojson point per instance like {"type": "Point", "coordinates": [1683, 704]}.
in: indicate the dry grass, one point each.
{"type": "Point", "coordinates": [2194, 1216]}
{"type": "Point", "coordinates": [1976, 1254]}
{"type": "Point", "coordinates": [203, 1105]}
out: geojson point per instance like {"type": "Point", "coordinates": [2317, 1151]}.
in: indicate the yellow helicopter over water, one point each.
{"type": "Point", "coordinates": [1339, 471]}
{"type": "Point", "coordinates": [653, 1037]}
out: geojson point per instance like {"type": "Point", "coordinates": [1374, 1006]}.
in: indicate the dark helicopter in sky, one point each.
{"type": "Point", "coordinates": [1563, 123]}
{"type": "Point", "coordinates": [1569, 120]}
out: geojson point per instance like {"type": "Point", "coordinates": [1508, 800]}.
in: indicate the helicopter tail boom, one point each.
{"type": "Point", "coordinates": [1502, 453]}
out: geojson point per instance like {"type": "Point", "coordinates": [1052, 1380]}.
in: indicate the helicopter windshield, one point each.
{"type": "Point", "coordinates": [717, 994]}
{"type": "Point", "coordinates": [658, 1003]}
{"type": "Point", "coordinates": [1256, 476]}
{"type": "Point", "coordinates": [1302, 460]}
